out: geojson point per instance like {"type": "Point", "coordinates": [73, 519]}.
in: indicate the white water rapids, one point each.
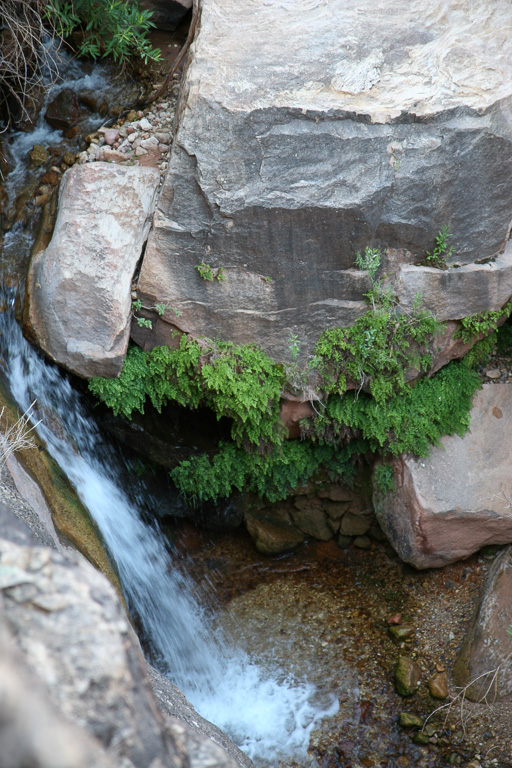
{"type": "Point", "coordinates": [268, 717]}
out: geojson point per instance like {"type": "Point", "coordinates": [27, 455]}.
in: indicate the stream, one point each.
{"type": "Point", "coordinates": [268, 713]}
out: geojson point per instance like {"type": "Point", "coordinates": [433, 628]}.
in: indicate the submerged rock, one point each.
{"type": "Point", "coordinates": [307, 132]}
{"type": "Point", "coordinates": [449, 505]}
{"type": "Point", "coordinates": [407, 676]}
{"type": "Point", "coordinates": [78, 307]}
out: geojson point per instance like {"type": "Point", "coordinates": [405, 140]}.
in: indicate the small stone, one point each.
{"type": "Point", "coordinates": [144, 124]}
{"type": "Point", "coordinates": [421, 738]}
{"type": "Point", "coordinates": [407, 676]}
{"type": "Point", "coordinates": [132, 137]}
{"type": "Point", "coordinates": [69, 158]}
{"type": "Point", "coordinates": [344, 541]}
{"type": "Point", "coordinates": [164, 137]}
{"type": "Point", "coordinates": [438, 685]}
{"type": "Point", "coordinates": [354, 525]}
{"type": "Point", "coordinates": [140, 151]}
{"type": "Point", "coordinates": [164, 148]}
{"type": "Point", "coordinates": [494, 373]}
{"type": "Point", "coordinates": [111, 136]}
{"type": "Point", "coordinates": [149, 143]}
{"type": "Point", "coordinates": [410, 720]}
{"type": "Point", "coordinates": [396, 618]}
{"type": "Point", "coordinates": [362, 542]}
{"type": "Point", "coordinates": [39, 155]}
{"type": "Point", "coordinates": [400, 633]}
{"type": "Point", "coordinates": [131, 116]}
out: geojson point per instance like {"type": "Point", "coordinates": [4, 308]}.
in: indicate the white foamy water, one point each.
{"type": "Point", "coordinates": [267, 715]}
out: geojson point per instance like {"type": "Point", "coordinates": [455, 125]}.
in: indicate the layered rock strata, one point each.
{"type": "Point", "coordinates": [307, 132]}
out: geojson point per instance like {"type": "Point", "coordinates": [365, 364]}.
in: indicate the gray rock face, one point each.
{"type": "Point", "coordinates": [74, 687]}
{"type": "Point", "coordinates": [457, 500]}
{"type": "Point", "coordinates": [308, 131]}
{"type": "Point", "coordinates": [485, 655]}
{"type": "Point", "coordinates": [79, 288]}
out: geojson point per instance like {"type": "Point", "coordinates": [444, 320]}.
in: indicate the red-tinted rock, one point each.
{"type": "Point", "coordinates": [449, 505]}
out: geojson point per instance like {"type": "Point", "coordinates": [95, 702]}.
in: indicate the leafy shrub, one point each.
{"type": "Point", "coordinates": [483, 322]}
{"type": "Point", "coordinates": [437, 257]}
{"type": "Point", "coordinates": [237, 381]}
{"type": "Point", "coordinates": [384, 477]}
{"type": "Point", "coordinates": [409, 422]}
{"type": "Point", "coordinates": [116, 28]}
{"type": "Point", "coordinates": [271, 476]}
{"type": "Point", "coordinates": [381, 345]}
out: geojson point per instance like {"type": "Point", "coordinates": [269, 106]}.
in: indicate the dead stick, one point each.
{"type": "Point", "coordinates": [181, 56]}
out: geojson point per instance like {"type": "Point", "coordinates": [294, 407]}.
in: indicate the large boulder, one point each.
{"type": "Point", "coordinates": [484, 665]}
{"type": "Point", "coordinates": [307, 131]}
{"type": "Point", "coordinates": [78, 305]}
{"type": "Point", "coordinates": [74, 687]}
{"type": "Point", "coordinates": [449, 505]}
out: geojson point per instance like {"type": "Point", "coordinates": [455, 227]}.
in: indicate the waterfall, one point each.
{"type": "Point", "coordinates": [267, 716]}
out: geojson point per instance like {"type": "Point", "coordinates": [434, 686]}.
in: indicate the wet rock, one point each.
{"type": "Point", "coordinates": [438, 685]}
{"type": "Point", "coordinates": [396, 618]}
{"type": "Point", "coordinates": [362, 542]}
{"type": "Point", "coordinates": [399, 633]}
{"type": "Point", "coordinates": [274, 168]}
{"type": "Point", "coordinates": [407, 676]}
{"type": "Point", "coordinates": [421, 738]}
{"type": "Point", "coordinates": [272, 531]}
{"type": "Point", "coordinates": [344, 541]}
{"type": "Point", "coordinates": [354, 525]}
{"type": "Point", "coordinates": [74, 686]}
{"type": "Point", "coordinates": [309, 517]}
{"type": "Point", "coordinates": [39, 155]}
{"type": "Point", "coordinates": [167, 13]}
{"type": "Point", "coordinates": [451, 504]}
{"type": "Point", "coordinates": [64, 111]}
{"type": "Point", "coordinates": [410, 720]}
{"type": "Point", "coordinates": [486, 649]}
{"type": "Point", "coordinates": [78, 307]}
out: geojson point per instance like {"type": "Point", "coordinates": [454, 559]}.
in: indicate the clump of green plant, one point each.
{"type": "Point", "coordinates": [410, 421]}
{"type": "Point", "coordinates": [384, 477]}
{"type": "Point", "coordinates": [270, 476]}
{"type": "Point", "coordinates": [504, 341]}
{"type": "Point", "coordinates": [438, 256]}
{"type": "Point", "coordinates": [144, 322]}
{"type": "Point", "coordinates": [236, 381]}
{"type": "Point", "coordinates": [482, 322]}
{"type": "Point", "coordinates": [210, 274]}
{"type": "Point", "coordinates": [382, 345]}
{"type": "Point", "coordinates": [480, 351]}
{"type": "Point", "coordinates": [116, 28]}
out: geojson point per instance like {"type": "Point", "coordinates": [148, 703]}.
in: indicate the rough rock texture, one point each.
{"type": "Point", "coordinates": [486, 649]}
{"type": "Point", "coordinates": [79, 288]}
{"type": "Point", "coordinates": [74, 687]}
{"type": "Point", "coordinates": [308, 131]}
{"type": "Point", "coordinates": [457, 500]}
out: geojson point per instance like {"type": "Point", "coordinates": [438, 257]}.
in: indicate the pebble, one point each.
{"type": "Point", "coordinates": [407, 676]}
{"type": "Point", "coordinates": [494, 373]}
{"type": "Point", "coordinates": [145, 125]}
{"type": "Point", "coordinates": [438, 685]}
{"type": "Point", "coordinates": [400, 633]}
{"type": "Point", "coordinates": [410, 720]}
{"type": "Point", "coordinates": [140, 151]}
{"type": "Point", "coordinates": [149, 143]}
{"type": "Point", "coordinates": [111, 136]}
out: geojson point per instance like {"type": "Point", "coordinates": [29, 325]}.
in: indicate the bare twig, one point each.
{"type": "Point", "coordinates": [181, 56]}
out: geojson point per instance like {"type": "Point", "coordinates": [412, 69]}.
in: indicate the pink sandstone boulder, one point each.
{"type": "Point", "coordinates": [449, 505]}
{"type": "Point", "coordinates": [78, 306]}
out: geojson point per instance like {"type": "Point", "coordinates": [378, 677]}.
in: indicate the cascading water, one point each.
{"type": "Point", "coordinates": [267, 716]}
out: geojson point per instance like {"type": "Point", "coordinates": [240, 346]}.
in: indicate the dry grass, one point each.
{"type": "Point", "coordinates": [17, 436]}
{"type": "Point", "coordinates": [23, 56]}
